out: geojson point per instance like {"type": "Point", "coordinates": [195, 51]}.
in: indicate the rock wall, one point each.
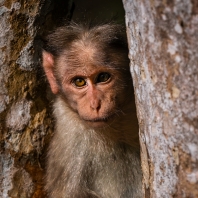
{"type": "Point", "coordinates": [163, 45]}
{"type": "Point", "coordinates": [25, 118]}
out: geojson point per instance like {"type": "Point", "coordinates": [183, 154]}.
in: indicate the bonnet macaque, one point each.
{"type": "Point", "coordinates": [94, 152]}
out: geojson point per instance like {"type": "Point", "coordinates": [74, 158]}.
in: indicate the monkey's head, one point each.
{"type": "Point", "coordinates": [89, 68]}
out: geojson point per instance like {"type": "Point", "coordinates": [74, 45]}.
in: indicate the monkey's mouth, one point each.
{"type": "Point", "coordinates": [99, 122]}
{"type": "Point", "coordinates": [99, 119]}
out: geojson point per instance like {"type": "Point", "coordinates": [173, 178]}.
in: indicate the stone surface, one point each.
{"type": "Point", "coordinates": [25, 117]}
{"type": "Point", "coordinates": [163, 44]}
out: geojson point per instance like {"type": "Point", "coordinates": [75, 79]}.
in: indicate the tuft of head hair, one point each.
{"type": "Point", "coordinates": [106, 36]}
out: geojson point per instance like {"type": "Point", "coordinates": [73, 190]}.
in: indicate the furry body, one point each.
{"type": "Point", "coordinates": [95, 148]}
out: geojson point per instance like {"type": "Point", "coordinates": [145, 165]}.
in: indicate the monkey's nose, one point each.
{"type": "Point", "coordinates": [95, 105]}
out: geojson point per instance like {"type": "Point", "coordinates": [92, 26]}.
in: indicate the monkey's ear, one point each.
{"type": "Point", "coordinates": [48, 65]}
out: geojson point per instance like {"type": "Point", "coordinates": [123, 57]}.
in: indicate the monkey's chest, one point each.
{"type": "Point", "coordinates": [111, 176]}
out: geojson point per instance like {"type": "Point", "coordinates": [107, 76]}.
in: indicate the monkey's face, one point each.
{"type": "Point", "coordinates": [95, 90]}
{"type": "Point", "coordinates": [94, 93]}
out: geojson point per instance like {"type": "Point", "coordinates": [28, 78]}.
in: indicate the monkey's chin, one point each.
{"type": "Point", "coordinates": [97, 124]}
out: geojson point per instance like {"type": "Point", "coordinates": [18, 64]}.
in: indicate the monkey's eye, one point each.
{"type": "Point", "coordinates": [103, 77]}
{"type": "Point", "coordinates": [79, 82]}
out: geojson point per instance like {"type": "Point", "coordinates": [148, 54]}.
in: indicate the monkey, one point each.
{"type": "Point", "coordinates": [95, 150]}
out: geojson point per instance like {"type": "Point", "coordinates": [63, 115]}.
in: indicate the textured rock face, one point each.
{"type": "Point", "coordinates": [163, 44]}
{"type": "Point", "coordinates": [25, 118]}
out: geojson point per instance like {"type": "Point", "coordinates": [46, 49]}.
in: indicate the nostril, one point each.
{"type": "Point", "coordinates": [95, 105]}
{"type": "Point", "coordinates": [98, 108]}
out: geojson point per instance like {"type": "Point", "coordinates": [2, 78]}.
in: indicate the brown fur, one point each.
{"type": "Point", "coordinates": [95, 148]}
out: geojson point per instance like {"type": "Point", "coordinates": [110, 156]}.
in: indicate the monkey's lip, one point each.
{"type": "Point", "coordinates": [102, 119]}
{"type": "Point", "coordinates": [96, 123]}
{"type": "Point", "coordinates": [97, 120]}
